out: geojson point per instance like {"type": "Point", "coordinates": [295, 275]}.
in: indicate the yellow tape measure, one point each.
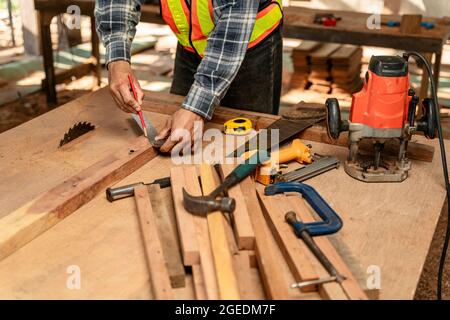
{"type": "Point", "coordinates": [238, 126]}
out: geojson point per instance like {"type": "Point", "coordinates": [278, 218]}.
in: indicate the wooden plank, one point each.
{"type": "Point", "coordinates": [274, 281]}
{"type": "Point", "coordinates": [164, 212]}
{"type": "Point", "coordinates": [208, 271]}
{"type": "Point", "coordinates": [35, 217]}
{"type": "Point", "coordinates": [226, 277]}
{"type": "Point", "coordinates": [199, 283]}
{"type": "Point", "coordinates": [242, 225]}
{"type": "Point", "coordinates": [350, 285]}
{"type": "Point", "coordinates": [185, 220]}
{"type": "Point", "coordinates": [329, 291]}
{"type": "Point", "coordinates": [322, 54]}
{"type": "Point", "coordinates": [250, 284]}
{"type": "Point", "coordinates": [159, 274]}
{"type": "Point", "coordinates": [294, 251]}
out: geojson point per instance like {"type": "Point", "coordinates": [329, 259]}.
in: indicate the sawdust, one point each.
{"type": "Point", "coordinates": [426, 289]}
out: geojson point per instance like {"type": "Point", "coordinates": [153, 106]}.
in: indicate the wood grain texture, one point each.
{"type": "Point", "coordinates": [372, 213]}
{"type": "Point", "coordinates": [164, 212]}
{"type": "Point", "coordinates": [159, 274]}
{"type": "Point", "coordinates": [185, 220]}
{"type": "Point", "coordinates": [208, 271]}
{"type": "Point", "coordinates": [274, 281]}
{"type": "Point", "coordinates": [242, 225]}
{"type": "Point", "coordinates": [328, 291]}
{"type": "Point", "coordinates": [225, 273]}
{"type": "Point", "coordinates": [37, 216]}
{"type": "Point", "coordinates": [294, 251]}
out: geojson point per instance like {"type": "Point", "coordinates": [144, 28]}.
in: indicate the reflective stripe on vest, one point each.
{"type": "Point", "coordinates": [192, 28]}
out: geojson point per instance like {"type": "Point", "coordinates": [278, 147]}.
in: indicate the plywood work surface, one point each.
{"type": "Point", "coordinates": [385, 225]}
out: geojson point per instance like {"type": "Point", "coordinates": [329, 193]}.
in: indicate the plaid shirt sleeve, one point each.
{"type": "Point", "coordinates": [116, 22]}
{"type": "Point", "coordinates": [225, 51]}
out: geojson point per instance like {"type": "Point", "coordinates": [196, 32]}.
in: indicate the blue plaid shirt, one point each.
{"type": "Point", "coordinates": [227, 45]}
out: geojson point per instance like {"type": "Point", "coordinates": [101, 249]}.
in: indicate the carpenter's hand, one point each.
{"type": "Point", "coordinates": [120, 88]}
{"type": "Point", "coordinates": [180, 130]}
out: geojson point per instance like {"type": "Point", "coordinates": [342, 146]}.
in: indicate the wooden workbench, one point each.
{"type": "Point", "coordinates": [386, 225]}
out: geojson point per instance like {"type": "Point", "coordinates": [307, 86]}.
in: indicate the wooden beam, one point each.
{"type": "Point", "coordinates": [208, 272]}
{"type": "Point", "coordinates": [223, 261]}
{"type": "Point", "coordinates": [164, 212]}
{"type": "Point", "coordinates": [294, 251]}
{"type": "Point", "coordinates": [29, 221]}
{"type": "Point", "coordinates": [274, 281]}
{"type": "Point", "coordinates": [242, 225]}
{"type": "Point", "coordinates": [199, 282]}
{"type": "Point", "coordinates": [159, 275]}
{"type": "Point", "coordinates": [185, 220]}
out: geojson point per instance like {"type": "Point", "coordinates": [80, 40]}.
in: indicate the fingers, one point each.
{"type": "Point", "coordinates": [128, 98]}
{"type": "Point", "coordinates": [177, 136]}
{"type": "Point", "coordinates": [165, 131]}
{"type": "Point", "coordinates": [119, 101]}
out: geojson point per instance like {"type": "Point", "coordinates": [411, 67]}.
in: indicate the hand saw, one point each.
{"type": "Point", "coordinates": [288, 129]}
{"type": "Point", "coordinates": [151, 131]}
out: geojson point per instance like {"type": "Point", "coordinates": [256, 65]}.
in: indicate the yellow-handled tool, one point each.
{"type": "Point", "coordinates": [297, 151]}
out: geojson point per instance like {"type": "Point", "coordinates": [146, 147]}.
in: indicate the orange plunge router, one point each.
{"type": "Point", "coordinates": [384, 110]}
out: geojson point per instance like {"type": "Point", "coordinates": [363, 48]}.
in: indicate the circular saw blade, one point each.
{"type": "Point", "coordinates": [76, 131]}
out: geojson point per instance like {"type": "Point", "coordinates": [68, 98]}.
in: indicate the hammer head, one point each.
{"type": "Point", "coordinates": [202, 205]}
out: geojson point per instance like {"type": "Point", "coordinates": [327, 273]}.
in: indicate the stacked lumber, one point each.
{"type": "Point", "coordinates": [320, 76]}
{"type": "Point", "coordinates": [301, 60]}
{"type": "Point", "coordinates": [250, 254]}
{"type": "Point", "coordinates": [346, 69]}
{"type": "Point", "coordinates": [327, 67]}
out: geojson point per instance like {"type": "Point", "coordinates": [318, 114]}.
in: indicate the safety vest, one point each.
{"type": "Point", "coordinates": [192, 24]}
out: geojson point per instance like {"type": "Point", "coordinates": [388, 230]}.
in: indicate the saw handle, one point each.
{"type": "Point", "coordinates": [331, 222]}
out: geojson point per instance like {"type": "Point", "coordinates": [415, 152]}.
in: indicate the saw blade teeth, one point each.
{"type": "Point", "coordinates": [76, 131]}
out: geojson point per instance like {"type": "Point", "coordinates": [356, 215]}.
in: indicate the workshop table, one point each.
{"type": "Point", "coordinates": [389, 226]}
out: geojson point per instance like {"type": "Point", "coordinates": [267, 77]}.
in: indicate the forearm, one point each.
{"type": "Point", "coordinates": [116, 22]}
{"type": "Point", "coordinates": [227, 45]}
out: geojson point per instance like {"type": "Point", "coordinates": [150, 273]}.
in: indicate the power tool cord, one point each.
{"type": "Point", "coordinates": [444, 165]}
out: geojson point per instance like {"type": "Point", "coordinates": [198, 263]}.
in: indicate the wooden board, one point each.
{"type": "Point", "coordinates": [242, 225]}
{"type": "Point", "coordinates": [164, 212]}
{"type": "Point", "coordinates": [225, 273]}
{"type": "Point", "coordinates": [208, 272]}
{"type": "Point", "coordinates": [159, 274]}
{"type": "Point", "coordinates": [275, 282]}
{"type": "Point", "coordinates": [294, 251]}
{"type": "Point", "coordinates": [185, 220]}
{"type": "Point", "coordinates": [40, 214]}
{"type": "Point", "coordinates": [349, 285]}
